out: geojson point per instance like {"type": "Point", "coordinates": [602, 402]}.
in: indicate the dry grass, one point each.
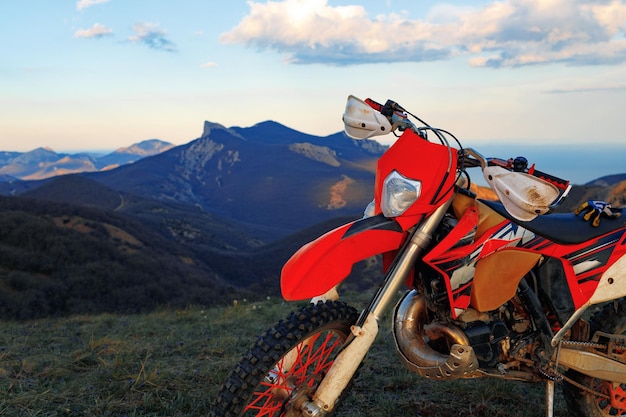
{"type": "Point", "coordinates": [171, 363]}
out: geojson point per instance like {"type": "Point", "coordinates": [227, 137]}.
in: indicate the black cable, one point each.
{"type": "Point", "coordinates": [419, 120]}
{"type": "Point", "coordinates": [440, 133]}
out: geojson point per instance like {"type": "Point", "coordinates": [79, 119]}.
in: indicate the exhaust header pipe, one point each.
{"type": "Point", "coordinates": [411, 334]}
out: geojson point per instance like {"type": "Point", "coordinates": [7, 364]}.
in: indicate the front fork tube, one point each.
{"type": "Point", "coordinates": [405, 261]}
{"type": "Point", "coordinates": [366, 329]}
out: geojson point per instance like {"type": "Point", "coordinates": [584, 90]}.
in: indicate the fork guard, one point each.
{"type": "Point", "coordinates": [323, 263]}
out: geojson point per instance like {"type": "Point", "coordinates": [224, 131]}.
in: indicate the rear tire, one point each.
{"type": "Point", "coordinates": [580, 403]}
{"type": "Point", "coordinates": [287, 363]}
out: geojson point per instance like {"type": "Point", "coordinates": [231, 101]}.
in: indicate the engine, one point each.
{"type": "Point", "coordinates": [485, 339]}
{"type": "Point", "coordinates": [474, 345]}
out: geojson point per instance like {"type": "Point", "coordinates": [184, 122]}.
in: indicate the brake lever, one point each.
{"type": "Point", "coordinates": [479, 159]}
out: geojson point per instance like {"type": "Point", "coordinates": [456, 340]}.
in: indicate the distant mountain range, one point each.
{"type": "Point", "coordinates": [269, 178]}
{"type": "Point", "coordinates": [43, 163]}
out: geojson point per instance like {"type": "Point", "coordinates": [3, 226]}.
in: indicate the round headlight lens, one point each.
{"type": "Point", "coordinates": [399, 193]}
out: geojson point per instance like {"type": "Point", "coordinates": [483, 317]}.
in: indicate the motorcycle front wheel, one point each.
{"type": "Point", "coordinates": [286, 364]}
{"type": "Point", "coordinates": [582, 403]}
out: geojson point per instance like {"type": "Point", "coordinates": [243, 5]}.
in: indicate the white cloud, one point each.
{"type": "Point", "coordinates": [209, 65]}
{"type": "Point", "coordinates": [96, 31]}
{"type": "Point", "coordinates": [505, 33]}
{"type": "Point", "coordinates": [83, 4]}
{"type": "Point", "coordinates": [149, 34]}
{"type": "Point", "coordinates": [312, 31]}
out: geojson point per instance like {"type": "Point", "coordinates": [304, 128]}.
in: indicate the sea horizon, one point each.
{"type": "Point", "coordinates": [577, 163]}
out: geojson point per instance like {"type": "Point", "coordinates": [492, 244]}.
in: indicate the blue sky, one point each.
{"type": "Point", "coordinates": [101, 74]}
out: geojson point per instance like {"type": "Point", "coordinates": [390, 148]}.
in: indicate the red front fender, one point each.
{"type": "Point", "coordinates": [323, 263]}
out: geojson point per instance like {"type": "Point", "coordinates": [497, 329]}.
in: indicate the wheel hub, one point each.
{"type": "Point", "coordinates": [618, 397]}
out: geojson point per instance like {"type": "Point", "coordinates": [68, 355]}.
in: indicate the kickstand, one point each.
{"type": "Point", "coordinates": [549, 398]}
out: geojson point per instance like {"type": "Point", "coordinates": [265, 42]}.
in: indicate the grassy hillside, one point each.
{"type": "Point", "coordinates": [171, 363]}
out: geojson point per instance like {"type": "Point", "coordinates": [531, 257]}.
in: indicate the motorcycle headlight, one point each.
{"type": "Point", "coordinates": [399, 193]}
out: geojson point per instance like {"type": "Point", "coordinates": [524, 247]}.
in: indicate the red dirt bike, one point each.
{"type": "Point", "coordinates": [495, 289]}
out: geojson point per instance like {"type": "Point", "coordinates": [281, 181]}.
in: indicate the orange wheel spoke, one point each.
{"type": "Point", "coordinates": [312, 359]}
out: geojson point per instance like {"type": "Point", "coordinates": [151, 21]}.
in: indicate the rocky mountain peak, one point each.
{"type": "Point", "coordinates": [209, 126]}
{"type": "Point", "coordinates": [38, 154]}
{"type": "Point", "coordinates": [194, 158]}
{"type": "Point", "coordinates": [146, 148]}
{"type": "Point", "coordinates": [321, 154]}
{"type": "Point", "coordinates": [212, 127]}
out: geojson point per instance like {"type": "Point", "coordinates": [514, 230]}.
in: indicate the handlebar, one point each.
{"type": "Point", "coordinates": [519, 164]}
{"type": "Point", "coordinates": [395, 113]}
{"type": "Point", "coordinates": [398, 117]}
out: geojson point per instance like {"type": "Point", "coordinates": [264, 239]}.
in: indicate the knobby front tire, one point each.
{"type": "Point", "coordinates": [286, 364]}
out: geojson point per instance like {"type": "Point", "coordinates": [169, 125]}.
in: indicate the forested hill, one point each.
{"type": "Point", "coordinates": [57, 259]}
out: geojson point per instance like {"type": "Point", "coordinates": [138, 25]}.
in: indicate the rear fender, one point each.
{"type": "Point", "coordinates": [323, 263]}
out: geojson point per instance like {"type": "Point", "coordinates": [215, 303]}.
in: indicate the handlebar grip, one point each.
{"type": "Point", "coordinates": [387, 109]}
{"type": "Point", "coordinates": [375, 105]}
{"type": "Point", "coordinates": [556, 181]}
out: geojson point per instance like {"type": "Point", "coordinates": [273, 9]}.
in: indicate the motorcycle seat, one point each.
{"type": "Point", "coordinates": [564, 228]}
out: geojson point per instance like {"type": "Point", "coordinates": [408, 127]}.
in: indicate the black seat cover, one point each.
{"type": "Point", "coordinates": [565, 228]}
